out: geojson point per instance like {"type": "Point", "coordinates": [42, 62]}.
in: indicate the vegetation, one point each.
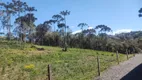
{"type": "Point", "coordinates": [29, 63]}
{"type": "Point", "coordinates": [25, 49]}
{"type": "Point", "coordinates": [43, 34]}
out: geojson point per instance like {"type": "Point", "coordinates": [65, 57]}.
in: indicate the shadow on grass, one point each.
{"type": "Point", "coordinates": [135, 74]}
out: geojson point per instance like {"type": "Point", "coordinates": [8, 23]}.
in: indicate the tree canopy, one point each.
{"type": "Point", "coordinates": [56, 31]}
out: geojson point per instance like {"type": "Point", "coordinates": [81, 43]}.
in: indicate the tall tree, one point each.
{"type": "Point", "coordinates": [82, 25]}
{"type": "Point", "coordinates": [61, 23]}
{"type": "Point", "coordinates": [41, 30]}
{"type": "Point", "coordinates": [6, 13]}
{"type": "Point", "coordinates": [140, 12]}
{"type": "Point", "coordinates": [102, 36]}
{"type": "Point", "coordinates": [89, 32]}
{"type": "Point", "coordinates": [52, 22]}
{"type": "Point", "coordinates": [56, 19]}
{"type": "Point", "coordinates": [26, 25]}
{"type": "Point", "coordinates": [103, 28]}
{"type": "Point", "coordinates": [64, 14]}
{"type": "Point", "coordinates": [31, 20]}
{"type": "Point", "coordinates": [19, 7]}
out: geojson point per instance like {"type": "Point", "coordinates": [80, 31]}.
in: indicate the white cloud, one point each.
{"type": "Point", "coordinates": [110, 33]}
{"type": "Point", "coordinates": [120, 31]}
{"type": "Point", "coordinates": [78, 31]}
{"type": "Point", "coordinates": [90, 27]}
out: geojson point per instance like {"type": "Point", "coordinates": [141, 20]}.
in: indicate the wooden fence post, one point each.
{"type": "Point", "coordinates": [127, 54]}
{"type": "Point", "coordinates": [133, 53]}
{"type": "Point", "coordinates": [117, 56]}
{"type": "Point", "coordinates": [49, 72]}
{"type": "Point", "coordinates": [98, 63]}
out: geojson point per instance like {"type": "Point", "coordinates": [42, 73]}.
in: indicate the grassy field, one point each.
{"type": "Point", "coordinates": [28, 63]}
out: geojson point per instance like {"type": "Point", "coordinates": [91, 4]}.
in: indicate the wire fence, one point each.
{"type": "Point", "coordinates": [86, 68]}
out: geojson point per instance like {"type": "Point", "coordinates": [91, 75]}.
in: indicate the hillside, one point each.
{"type": "Point", "coordinates": [29, 62]}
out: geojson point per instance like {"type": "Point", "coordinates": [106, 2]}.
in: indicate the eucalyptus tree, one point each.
{"type": "Point", "coordinates": [6, 13]}
{"type": "Point", "coordinates": [26, 26]}
{"type": "Point", "coordinates": [22, 29]}
{"type": "Point", "coordinates": [20, 8]}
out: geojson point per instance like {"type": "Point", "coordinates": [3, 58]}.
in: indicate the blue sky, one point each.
{"type": "Point", "coordinates": [117, 14]}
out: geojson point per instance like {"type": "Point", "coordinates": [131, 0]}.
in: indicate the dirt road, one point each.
{"type": "Point", "coordinates": [128, 70]}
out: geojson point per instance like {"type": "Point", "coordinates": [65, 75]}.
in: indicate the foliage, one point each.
{"type": "Point", "coordinates": [43, 34]}
{"type": "Point", "coordinates": [27, 61]}
{"type": "Point", "coordinates": [31, 64]}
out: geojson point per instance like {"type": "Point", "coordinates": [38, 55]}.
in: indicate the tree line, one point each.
{"type": "Point", "coordinates": [46, 33]}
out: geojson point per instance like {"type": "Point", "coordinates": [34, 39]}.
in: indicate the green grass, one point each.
{"type": "Point", "coordinates": [30, 64]}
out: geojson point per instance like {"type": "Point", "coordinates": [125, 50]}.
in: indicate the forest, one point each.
{"type": "Point", "coordinates": [24, 30]}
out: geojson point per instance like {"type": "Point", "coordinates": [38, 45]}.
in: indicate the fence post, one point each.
{"type": "Point", "coordinates": [133, 53]}
{"type": "Point", "coordinates": [127, 54]}
{"type": "Point", "coordinates": [117, 56]}
{"type": "Point", "coordinates": [49, 72]}
{"type": "Point", "coordinates": [98, 63]}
